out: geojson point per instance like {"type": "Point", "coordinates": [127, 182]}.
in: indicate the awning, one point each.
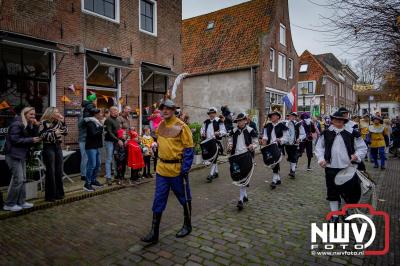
{"type": "Point", "coordinates": [30, 43]}
{"type": "Point", "coordinates": [110, 61]}
{"type": "Point", "coordinates": [159, 70]}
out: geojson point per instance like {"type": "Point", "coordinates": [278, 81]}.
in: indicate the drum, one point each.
{"type": "Point", "coordinates": [272, 154]}
{"type": "Point", "coordinates": [209, 149]}
{"type": "Point", "coordinates": [241, 168]}
{"type": "Point", "coordinates": [348, 185]}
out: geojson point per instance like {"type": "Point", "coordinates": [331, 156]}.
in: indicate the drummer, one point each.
{"type": "Point", "coordinates": [213, 128]}
{"type": "Point", "coordinates": [296, 134]}
{"type": "Point", "coordinates": [242, 139]}
{"type": "Point", "coordinates": [329, 151]}
{"type": "Point", "coordinates": [275, 131]}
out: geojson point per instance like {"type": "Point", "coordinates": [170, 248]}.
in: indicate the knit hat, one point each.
{"type": "Point", "coordinates": [91, 98]}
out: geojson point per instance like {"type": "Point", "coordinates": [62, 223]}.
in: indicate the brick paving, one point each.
{"type": "Point", "coordinates": [273, 229]}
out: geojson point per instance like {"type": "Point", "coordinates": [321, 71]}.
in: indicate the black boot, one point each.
{"type": "Point", "coordinates": [152, 236]}
{"type": "Point", "coordinates": [187, 224]}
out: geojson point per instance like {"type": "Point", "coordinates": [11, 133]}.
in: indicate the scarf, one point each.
{"type": "Point", "coordinates": [94, 120]}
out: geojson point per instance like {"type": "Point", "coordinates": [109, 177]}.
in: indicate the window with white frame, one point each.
{"type": "Point", "coordinates": [309, 85]}
{"type": "Point", "coordinates": [303, 68]}
{"type": "Point", "coordinates": [290, 68]}
{"type": "Point", "coordinates": [108, 9]}
{"type": "Point", "coordinates": [148, 17]}
{"type": "Point", "coordinates": [271, 60]}
{"type": "Point", "coordinates": [282, 66]}
{"type": "Point", "coordinates": [282, 34]}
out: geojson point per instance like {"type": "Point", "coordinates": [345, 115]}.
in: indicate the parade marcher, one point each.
{"type": "Point", "coordinates": [22, 134]}
{"type": "Point", "coordinates": [242, 139]}
{"type": "Point", "coordinates": [336, 149]}
{"type": "Point", "coordinates": [396, 137]}
{"type": "Point", "coordinates": [378, 137]}
{"type": "Point", "coordinates": [275, 131]}
{"type": "Point", "coordinates": [296, 134]}
{"type": "Point", "coordinates": [111, 125]}
{"type": "Point", "coordinates": [364, 130]}
{"type": "Point", "coordinates": [52, 129]}
{"type": "Point", "coordinates": [307, 143]}
{"type": "Point", "coordinates": [213, 128]}
{"type": "Point", "coordinates": [176, 155]}
{"type": "Point", "coordinates": [94, 142]}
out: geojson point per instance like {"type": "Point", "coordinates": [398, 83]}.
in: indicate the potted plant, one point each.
{"type": "Point", "coordinates": [195, 127]}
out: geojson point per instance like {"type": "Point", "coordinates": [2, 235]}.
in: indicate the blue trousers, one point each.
{"type": "Point", "coordinates": [164, 185]}
{"type": "Point", "coordinates": [382, 155]}
{"type": "Point", "coordinates": [93, 165]}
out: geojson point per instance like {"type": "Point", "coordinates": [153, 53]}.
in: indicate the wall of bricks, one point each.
{"type": "Point", "coordinates": [271, 40]}
{"type": "Point", "coordinates": [63, 22]}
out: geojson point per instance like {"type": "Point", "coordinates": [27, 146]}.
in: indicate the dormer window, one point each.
{"type": "Point", "coordinates": [303, 68]}
{"type": "Point", "coordinates": [210, 25]}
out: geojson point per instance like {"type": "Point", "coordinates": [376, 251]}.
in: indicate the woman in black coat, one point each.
{"type": "Point", "coordinates": [22, 133]}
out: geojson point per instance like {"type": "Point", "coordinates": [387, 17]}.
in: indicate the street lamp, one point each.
{"type": "Point", "coordinates": [304, 91]}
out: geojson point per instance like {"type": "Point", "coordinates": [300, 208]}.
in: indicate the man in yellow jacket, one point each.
{"type": "Point", "coordinates": [378, 135]}
{"type": "Point", "coordinates": [175, 151]}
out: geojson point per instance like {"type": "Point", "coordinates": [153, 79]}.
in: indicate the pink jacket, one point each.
{"type": "Point", "coordinates": [156, 118]}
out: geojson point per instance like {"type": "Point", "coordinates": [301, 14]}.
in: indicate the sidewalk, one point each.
{"type": "Point", "coordinates": [74, 192]}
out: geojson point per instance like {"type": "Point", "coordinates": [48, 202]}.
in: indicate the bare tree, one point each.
{"type": "Point", "coordinates": [369, 72]}
{"type": "Point", "coordinates": [372, 28]}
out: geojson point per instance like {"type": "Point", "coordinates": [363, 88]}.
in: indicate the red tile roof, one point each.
{"type": "Point", "coordinates": [234, 42]}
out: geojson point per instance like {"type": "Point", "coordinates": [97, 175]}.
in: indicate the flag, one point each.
{"type": "Point", "coordinates": [121, 100]}
{"type": "Point", "coordinates": [65, 99]}
{"type": "Point", "coordinates": [105, 98]}
{"type": "Point", "coordinates": [71, 87]}
{"type": "Point", "coordinates": [4, 105]}
{"type": "Point", "coordinates": [290, 100]}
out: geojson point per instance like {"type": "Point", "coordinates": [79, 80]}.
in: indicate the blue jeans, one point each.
{"type": "Point", "coordinates": [382, 155]}
{"type": "Point", "coordinates": [164, 185]}
{"type": "Point", "coordinates": [84, 158]}
{"type": "Point", "coordinates": [93, 165]}
{"type": "Point", "coordinates": [109, 157]}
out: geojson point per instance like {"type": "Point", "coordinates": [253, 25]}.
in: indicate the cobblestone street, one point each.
{"type": "Point", "coordinates": [273, 229]}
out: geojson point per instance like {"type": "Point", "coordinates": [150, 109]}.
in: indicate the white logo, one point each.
{"type": "Point", "coordinates": [337, 235]}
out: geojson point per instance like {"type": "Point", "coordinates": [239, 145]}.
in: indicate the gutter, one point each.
{"type": "Point", "coordinates": [222, 71]}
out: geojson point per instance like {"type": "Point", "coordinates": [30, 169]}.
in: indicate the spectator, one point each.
{"type": "Point", "coordinates": [22, 133]}
{"type": "Point", "coordinates": [155, 120]}
{"type": "Point", "coordinates": [135, 157]}
{"type": "Point", "coordinates": [251, 123]}
{"type": "Point", "coordinates": [124, 118]}
{"type": "Point", "coordinates": [147, 142]}
{"type": "Point", "coordinates": [396, 137]}
{"type": "Point", "coordinates": [94, 142]}
{"type": "Point", "coordinates": [89, 104]}
{"type": "Point", "coordinates": [120, 156]}
{"type": "Point", "coordinates": [82, 142]}
{"type": "Point", "coordinates": [111, 127]}
{"type": "Point", "coordinates": [52, 129]}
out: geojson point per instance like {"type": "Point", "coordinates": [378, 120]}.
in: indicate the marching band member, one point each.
{"type": "Point", "coordinates": [379, 137]}
{"type": "Point", "coordinates": [213, 128]}
{"type": "Point", "coordinates": [307, 143]}
{"type": "Point", "coordinates": [275, 131]}
{"type": "Point", "coordinates": [336, 149]}
{"type": "Point", "coordinates": [175, 150]}
{"type": "Point", "coordinates": [242, 139]}
{"type": "Point", "coordinates": [296, 134]}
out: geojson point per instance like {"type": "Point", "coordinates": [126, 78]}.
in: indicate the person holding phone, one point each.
{"type": "Point", "coordinates": [22, 134]}
{"type": "Point", "coordinates": [52, 129]}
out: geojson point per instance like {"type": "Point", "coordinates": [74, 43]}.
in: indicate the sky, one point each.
{"type": "Point", "coordinates": [303, 14]}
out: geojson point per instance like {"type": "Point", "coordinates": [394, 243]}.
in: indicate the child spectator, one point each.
{"type": "Point", "coordinates": [135, 157]}
{"type": "Point", "coordinates": [120, 156]}
{"type": "Point", "coordinates": [147, 142]}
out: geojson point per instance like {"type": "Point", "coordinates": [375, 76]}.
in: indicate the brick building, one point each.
{"type": "Point", "coordinates": [325, 84]}
{"type": "Point", "coordinates": [242, 56]}
{"type": "Point", "coordinates": [54, 53]}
